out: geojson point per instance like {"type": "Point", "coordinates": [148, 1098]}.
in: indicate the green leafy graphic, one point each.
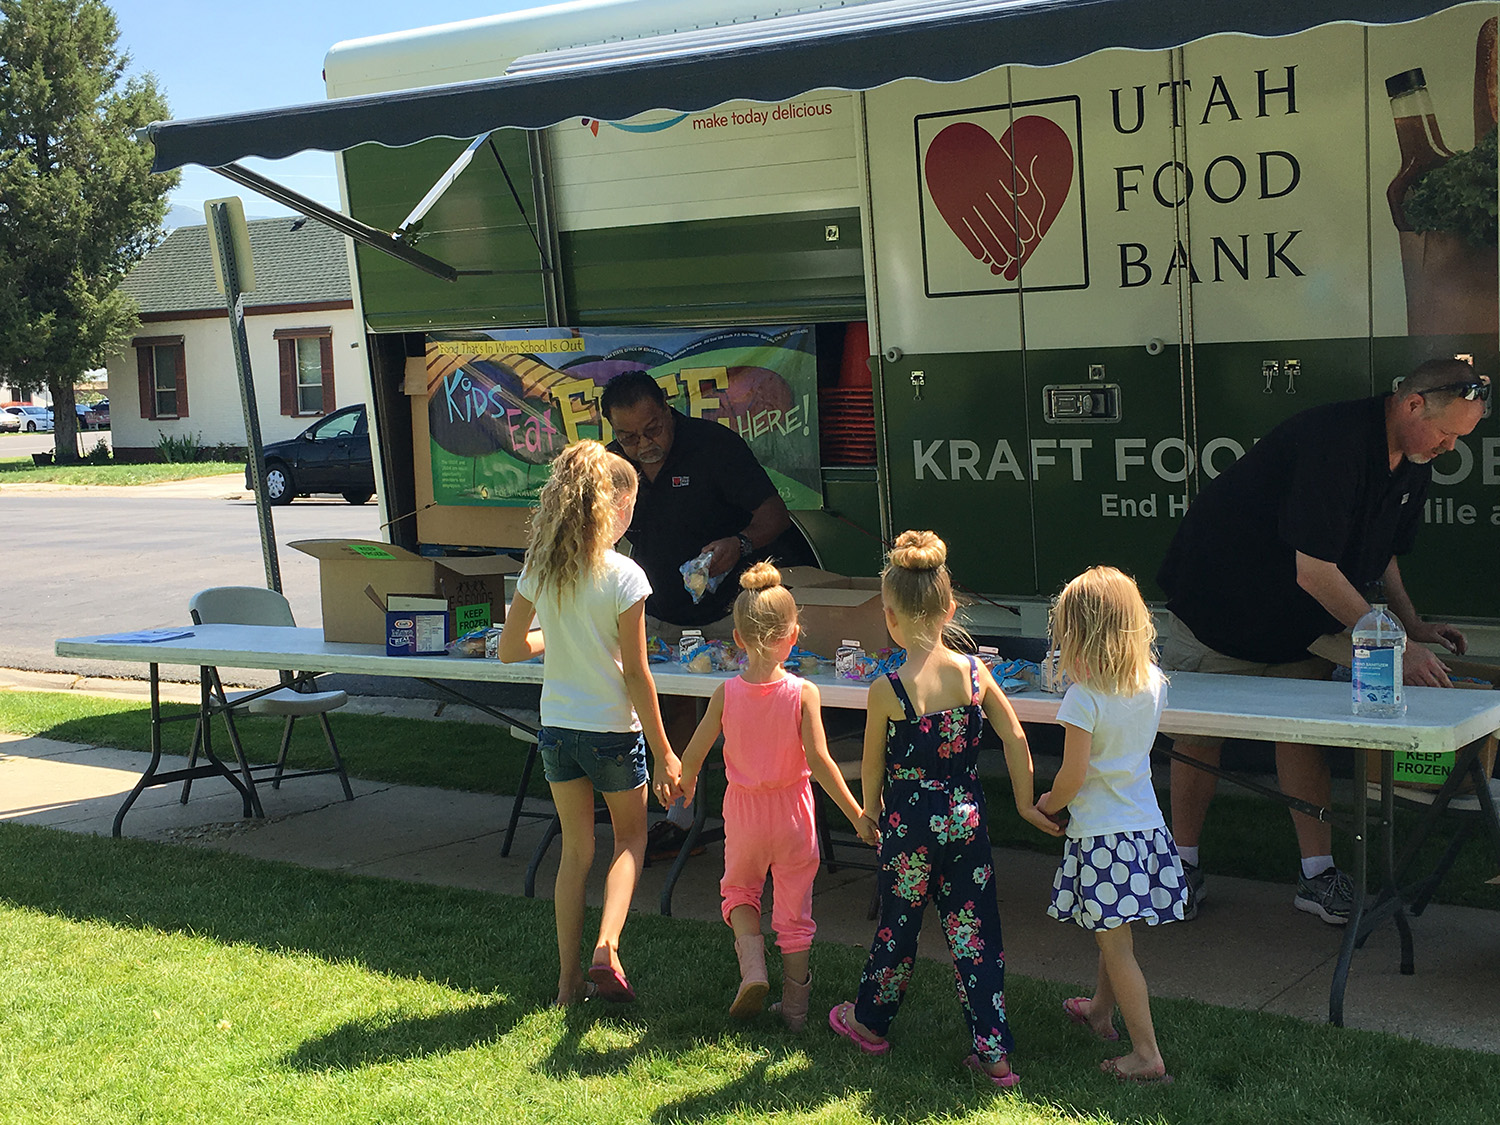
{"type": "Point", "coordinates": [1458, 196]}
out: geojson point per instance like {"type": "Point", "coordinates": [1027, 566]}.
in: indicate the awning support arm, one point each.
{"type": "Point", "coordinates": [521, 207]}
{"type": "Point", "coordinates": [362, 233]}
{"type": "Point", "coordinates": [444, 182]}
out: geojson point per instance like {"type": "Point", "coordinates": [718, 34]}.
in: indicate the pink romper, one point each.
{"type": "Point", "coordinates": [769, 825]}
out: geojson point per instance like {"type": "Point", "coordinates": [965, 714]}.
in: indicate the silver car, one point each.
{"type": "Point", "coordinates": [31, 418]}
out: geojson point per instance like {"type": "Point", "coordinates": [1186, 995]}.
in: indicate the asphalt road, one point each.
{"type": "Point", "coordinates": [78, 562]}
{"type": "Point", "coordinates": [81, 562]}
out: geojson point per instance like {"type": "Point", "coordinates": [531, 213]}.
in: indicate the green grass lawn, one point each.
{"type": "Point", "coordinates": [21, 470]}
{"type": "Point", "coordinates": [160, 983]}
{"type": "Point", "coordinates": [1245, 835]}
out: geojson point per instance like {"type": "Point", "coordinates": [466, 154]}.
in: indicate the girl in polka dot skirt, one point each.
{"type": "Point", "coordinates": [1120, 863]}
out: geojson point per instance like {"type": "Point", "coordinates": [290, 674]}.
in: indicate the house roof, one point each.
{"type": "Point", "coordinates": [292, 267]}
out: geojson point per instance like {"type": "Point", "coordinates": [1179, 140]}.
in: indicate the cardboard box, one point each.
{"type": "Point", "coordinates": [474, 586]}
{"type": "Point", "coordinates": [832, 608]}
{"type": "Point", "coordinates": [346, 567]}
{"type": "Point", "coordinates": [416, 625]}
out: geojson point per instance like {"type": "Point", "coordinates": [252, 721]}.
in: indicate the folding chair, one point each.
{"type": "Point", "coordinates": [296, 698]}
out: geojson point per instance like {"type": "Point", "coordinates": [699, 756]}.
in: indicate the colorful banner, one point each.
{"type": "Point", "coordinates": [503, 403]}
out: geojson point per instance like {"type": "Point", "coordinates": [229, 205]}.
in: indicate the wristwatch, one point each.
{"type": "Point", "coordinates": [747, 548]}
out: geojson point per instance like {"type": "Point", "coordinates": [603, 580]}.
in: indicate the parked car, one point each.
{"type": "Point", "coordinates": [331, 455]}
{"type": "Point", "coordinates": [32, 418]}
{"type": "Point", "coordinates": [94, 415]}
{"type": "Point", "coordinates": [9, 423]}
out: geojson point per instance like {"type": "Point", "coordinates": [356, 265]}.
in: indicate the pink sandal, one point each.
{"type": "Point", "coordinates": [838, 1017]}
{"type": "Point", "coordinates": [1004, 1081]}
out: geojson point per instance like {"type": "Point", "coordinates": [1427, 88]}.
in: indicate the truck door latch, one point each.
{"type": "Point", "coordinates": [918, 381]}
{"type": "Point", "coordinates": [1270, 368]}
{"type": "Point", "coordinates": [1293, 368]}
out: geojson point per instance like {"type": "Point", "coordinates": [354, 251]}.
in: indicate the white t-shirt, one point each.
{"type": "Point", "coordinates": [580, 689]}
{"type": "Point", "coordinates": [1116, 795]}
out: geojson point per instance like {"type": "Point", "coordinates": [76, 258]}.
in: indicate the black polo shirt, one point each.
{"type": "Point", "coordinates": [707, 488]}
{"type": "Point", "coordinates": [1319, 483]}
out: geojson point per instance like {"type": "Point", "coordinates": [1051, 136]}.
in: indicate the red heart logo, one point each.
{"type": "Point", "coordinates": [1000, 197]}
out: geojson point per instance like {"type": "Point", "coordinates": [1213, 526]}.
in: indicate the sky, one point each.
{"type": "Point", "coordinates": [218, 58]}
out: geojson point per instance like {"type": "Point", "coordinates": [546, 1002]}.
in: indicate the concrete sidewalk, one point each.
{"type": "Point", "coordinates": [1248, 949]}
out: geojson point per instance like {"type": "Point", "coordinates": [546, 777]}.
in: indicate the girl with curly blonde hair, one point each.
{"type": "Point", "coordinates": [599, 707]}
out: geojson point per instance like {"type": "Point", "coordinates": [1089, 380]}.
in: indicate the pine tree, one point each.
{"type": "Point", "coordinates": [78, 202]}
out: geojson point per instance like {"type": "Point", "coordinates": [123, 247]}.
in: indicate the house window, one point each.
{"type": "Point", "coordinates": [306, 356]}
{"type": "Point", "coordinates": [309, 376]}
{"type": "Point", "coordinates": [163, 376]}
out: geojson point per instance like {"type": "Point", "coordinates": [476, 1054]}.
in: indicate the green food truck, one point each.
{"type": "Point", "coordinates": [1027, 273]}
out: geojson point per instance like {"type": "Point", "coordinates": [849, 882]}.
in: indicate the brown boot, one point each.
{"type": "Point", "coordinates": [793, 1003]}
{"type": "Point", "coordinates": [751, 998]}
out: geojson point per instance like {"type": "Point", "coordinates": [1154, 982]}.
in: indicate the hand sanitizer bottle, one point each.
{"type": "Point", "coordinates": [1379, 648]}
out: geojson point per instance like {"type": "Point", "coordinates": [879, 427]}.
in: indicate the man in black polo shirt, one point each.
{"type": "Point", "coordinates": [701, 490]}
{"type": "Point", "coordinates": [1276, 553]}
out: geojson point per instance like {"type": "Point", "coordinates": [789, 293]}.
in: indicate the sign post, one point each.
{"type": "Point", "coordinates": [234, 271]}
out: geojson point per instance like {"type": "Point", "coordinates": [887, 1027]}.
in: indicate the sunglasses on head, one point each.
{"type": "Point", "coordinates": [1477, 389]}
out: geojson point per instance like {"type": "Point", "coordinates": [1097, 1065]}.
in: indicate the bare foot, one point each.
{"type": "Point", "coordinates": [1134, 1068]}
{"type": "Point", "coordinates": [574, 992]}
{"type": "Point", "coordinates": [1080, 1010]}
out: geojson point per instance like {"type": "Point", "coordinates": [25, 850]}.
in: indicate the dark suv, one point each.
{"type": "Point", "coordinates": [331, 455]}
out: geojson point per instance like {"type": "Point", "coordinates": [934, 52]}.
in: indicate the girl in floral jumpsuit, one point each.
{"type": "Point", "coordinates": [920, 781]}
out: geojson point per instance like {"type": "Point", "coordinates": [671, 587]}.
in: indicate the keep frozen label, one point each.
{"type": "Point", "coordinates": [370, 551]}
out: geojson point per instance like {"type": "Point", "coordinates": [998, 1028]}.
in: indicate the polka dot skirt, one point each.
{"type": "Point", "coordinates": [1106, 881]}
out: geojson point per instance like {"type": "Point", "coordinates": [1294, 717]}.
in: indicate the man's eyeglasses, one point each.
{"type": "Point", "coordinates": [649, 433]}
{"type": "Point", "coordinates": [1475, 390]}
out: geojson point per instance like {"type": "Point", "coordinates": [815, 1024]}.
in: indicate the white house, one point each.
{"type": "Point", "coordinates": [177, 378]}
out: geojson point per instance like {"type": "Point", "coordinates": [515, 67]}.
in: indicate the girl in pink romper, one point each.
{"type": "Point", "coordinates": [773, 742]}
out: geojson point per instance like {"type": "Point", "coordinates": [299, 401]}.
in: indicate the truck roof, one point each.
{"type": "Point", "coordinates": [485, 48]}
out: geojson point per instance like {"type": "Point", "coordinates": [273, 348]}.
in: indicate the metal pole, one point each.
{"type": "Point", "coordinates": [254, 449]}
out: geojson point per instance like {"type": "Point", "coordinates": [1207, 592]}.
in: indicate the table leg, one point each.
{"type": "Point", "coordinates": [154, 775]}
{"type": "Point", "coordinates": [155, 753]}
{"type": "Point", "coordinates": [1357, 909]}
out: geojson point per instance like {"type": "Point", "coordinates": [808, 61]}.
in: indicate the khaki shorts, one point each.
{"type": "Point", "coordinates": [1182, 651]}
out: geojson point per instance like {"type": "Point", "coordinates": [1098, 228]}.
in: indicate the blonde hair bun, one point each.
{"type": "Point", "coordinates": [919, 550]}
{"type": "Point", "coordinates": [762, 576]}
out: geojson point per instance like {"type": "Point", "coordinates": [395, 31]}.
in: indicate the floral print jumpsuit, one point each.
{"type": "Point", "coordinates": [934, 844]}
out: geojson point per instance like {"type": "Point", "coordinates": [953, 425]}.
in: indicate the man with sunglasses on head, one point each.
{"type": "Point", "coordinates": [701, 491]}
{"type": "Point", "coordinates": [1275, 555]}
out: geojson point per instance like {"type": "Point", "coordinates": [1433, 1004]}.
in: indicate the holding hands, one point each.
{"type": "Point", "coordinates": [868, 831]}
{"type": "Point", "coordinates": [1049, 822]}
{"type": "Point", "coordinates": [666, 780]}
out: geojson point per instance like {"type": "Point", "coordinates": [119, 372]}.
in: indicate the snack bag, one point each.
{"type": "Point", "coordinates": [471, 643]}
{"type": "Point", "coordinates": [696, 579]}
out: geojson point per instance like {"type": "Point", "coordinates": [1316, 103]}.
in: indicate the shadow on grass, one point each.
{"type": "Point", "coordinates": [392, 1037]}
{"type": "Point", "coordinates": [1231, 1066]}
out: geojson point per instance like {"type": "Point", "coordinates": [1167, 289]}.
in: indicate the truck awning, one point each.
{"type": "Point", "coordinates": [852, 48]}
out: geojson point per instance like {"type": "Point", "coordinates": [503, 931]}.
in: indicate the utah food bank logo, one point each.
{"type": "Point", "coordinates": [1002, 198]}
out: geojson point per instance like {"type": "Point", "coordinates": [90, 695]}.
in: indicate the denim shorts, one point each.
{"type": "Point", "coordinates": [615, 761]}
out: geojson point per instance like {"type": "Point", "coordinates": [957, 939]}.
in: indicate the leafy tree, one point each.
{"type": "Point", "coordinates": [78, 202]}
